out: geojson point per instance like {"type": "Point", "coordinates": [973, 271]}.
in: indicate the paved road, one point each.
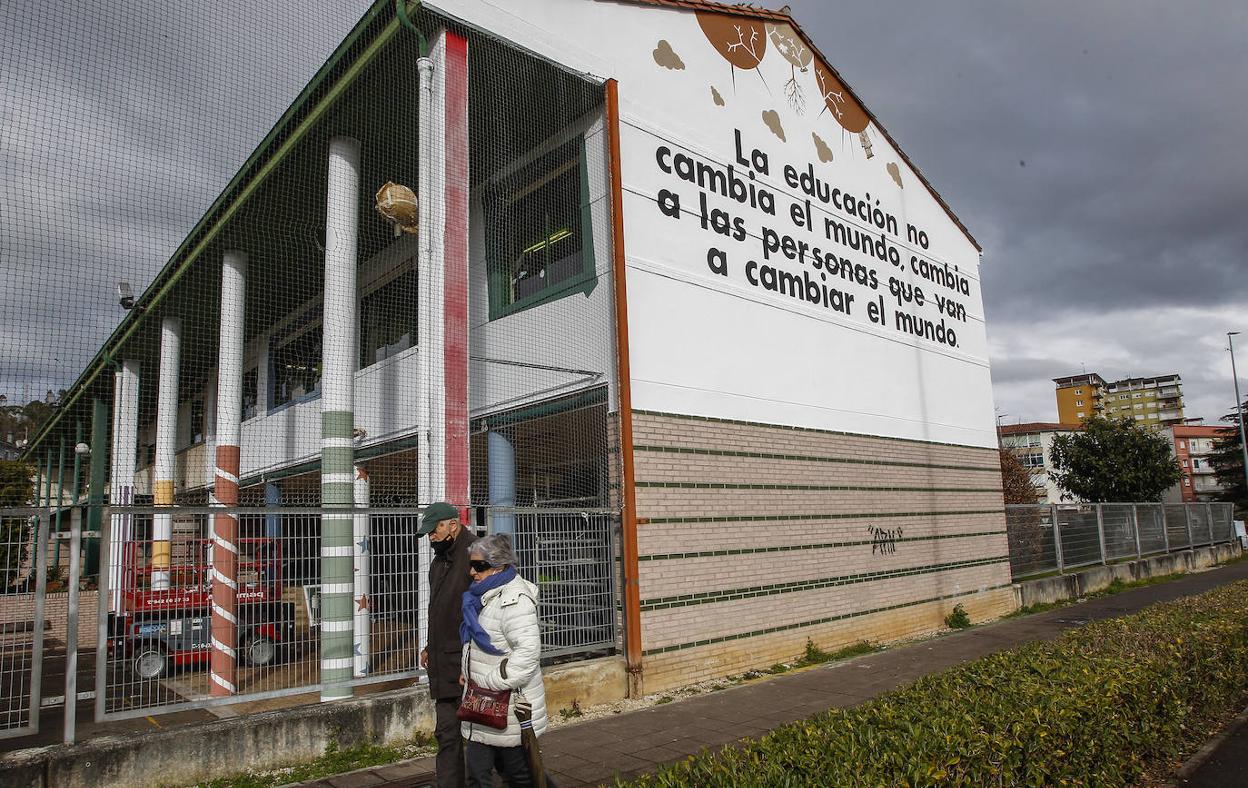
{"type": "Point", "coordinates": [1228, 765]}
{"type": "Point", "coordinates": [595, 751]}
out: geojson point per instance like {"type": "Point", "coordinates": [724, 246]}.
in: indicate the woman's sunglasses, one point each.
{"type": "Point", "coordinates": [480, 566]}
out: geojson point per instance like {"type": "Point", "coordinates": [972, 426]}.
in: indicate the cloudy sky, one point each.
{"type": "Point", "coordinates": [1096, 150]}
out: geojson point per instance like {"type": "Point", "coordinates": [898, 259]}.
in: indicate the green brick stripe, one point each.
{"type": "Point", "coordinates": [799, 547]}
{"type": "Point", "coordinates": [760, 518]}
{"type": "Point", "coordinates": [813, 623]}
{"type": "Point", "coordinates": [729, 594]}
{"type": "Point", "coordinates": [810, 487]}
{"type": "Point", "coordinates": [815, 430]}
{"type": "Point", "coordinates": [763, 455]}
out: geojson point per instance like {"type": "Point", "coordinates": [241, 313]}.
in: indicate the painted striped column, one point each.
{"type": "Point", "coordinates": [454, 274]}
{"type": "Point", "coordinates": [166, 448]}
{"type": "Point", "coordinates": [223, 664]}
{"type": "Point", "coordinates": [124, 460]}
{"type": "Point", "coordinates": [362, 549]}
{"type": "Point", "coordinates": [339, 362]}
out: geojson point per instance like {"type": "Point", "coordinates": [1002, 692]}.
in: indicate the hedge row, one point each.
{"type": "Point", "coordinates": [1093, 707]}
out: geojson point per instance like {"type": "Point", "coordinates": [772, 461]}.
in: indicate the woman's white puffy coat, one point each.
{"type": "Point", "coordinates": [509, 617]}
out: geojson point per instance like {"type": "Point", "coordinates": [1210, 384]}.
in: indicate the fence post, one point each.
{"type": "Point", "coordinates": [1187, 520]}
{"type": "Point", "coordinates": [1135, 522]}
{"type": "Point", "coordinates": [103, 591]}
{"type": "Point", "coordinates": [71, 626]}
{"type": "Point", "coordinates": [1100, 531]}
{"type": "Point", "coordinates": [1057, 541]}
{"type": "Point", "coordinates": [1209, 521]}
{"type": "Point", "coordinates": [1165, 528]}
{"type": "Point", "coordinates": [41, 593]}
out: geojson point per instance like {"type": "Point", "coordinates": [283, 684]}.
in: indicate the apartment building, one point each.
{"type": "Point", "coordinates": [1032, 444]}
{"type": "Point", "coordinates": [1155, 401]}
{"type": "Point", "coordinates": [1192, 446]}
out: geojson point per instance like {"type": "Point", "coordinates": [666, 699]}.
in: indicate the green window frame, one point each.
{"type": "Point", "coordinates": [539, 226]}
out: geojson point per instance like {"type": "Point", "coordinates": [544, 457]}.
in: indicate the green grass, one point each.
{"type": "Point", "coordinates": [957, 618]}
{"type": "Point", "coordinates": [1105, 704]}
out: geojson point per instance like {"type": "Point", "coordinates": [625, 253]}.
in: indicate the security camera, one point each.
{"type": "Point", "coordinates": [125, 296]}
{"type": "Point", "coordinates": [82, 450]}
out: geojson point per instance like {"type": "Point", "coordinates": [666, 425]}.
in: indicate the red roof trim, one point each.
{"type": "Point", "coordinates": [778, 16]}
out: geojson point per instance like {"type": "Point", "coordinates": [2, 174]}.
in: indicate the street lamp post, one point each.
{"type": "Point", "coordinates": [1239, 413]}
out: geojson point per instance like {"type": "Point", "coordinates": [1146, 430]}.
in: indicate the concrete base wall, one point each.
{"type": "Point", "coordinates": [195, 753]}
{"type": "Point", "coordinates": [1097, 578]}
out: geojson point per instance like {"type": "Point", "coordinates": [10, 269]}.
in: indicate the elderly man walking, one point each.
{"type": "Point", "coordinates": [448, 579]}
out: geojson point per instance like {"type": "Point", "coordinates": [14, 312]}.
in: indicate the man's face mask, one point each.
{"type": "Point", "coordinates": [440, 548]}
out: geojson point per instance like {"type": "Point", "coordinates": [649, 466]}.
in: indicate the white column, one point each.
{"type": "Point", "coordinates": [124, 460]}
{"type": "Point", "coordinates": [362, 552]}
{"type": "Point", "coordinates": [223, 664]}
{"type": "Point", "coordinates": [166, 448]}
{"type": "Point", "coordinates": [342, 219]}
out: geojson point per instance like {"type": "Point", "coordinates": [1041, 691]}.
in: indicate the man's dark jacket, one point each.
{"type": "Point", "coordinates": [448, 580]}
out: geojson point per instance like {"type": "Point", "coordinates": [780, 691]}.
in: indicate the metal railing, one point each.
{"type": "Point", "coordinates": [1048, 538]}
{"type": "Point", "coordinates": [133, 627]}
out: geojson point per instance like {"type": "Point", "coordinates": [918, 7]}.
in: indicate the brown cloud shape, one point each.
{"type": "Point", "coordinates": [894, 172]}
{"type": "Point", "coordinates": [821, 147]}
{"type": "Point", "coordinates": [666, 57]}
{"type": "Point", "coordinates": [772, 119]}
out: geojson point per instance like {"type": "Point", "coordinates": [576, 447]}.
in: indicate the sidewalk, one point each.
{"type": "Point", "coordinates": [596, 751]}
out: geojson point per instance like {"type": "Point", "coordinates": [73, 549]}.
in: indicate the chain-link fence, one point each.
{"type": "Point", "coordinates": [154, 649]}
{"type": "Point", "coordinates": [315, 273]}
{"type": "Point", "coordinates": [1055, 538]}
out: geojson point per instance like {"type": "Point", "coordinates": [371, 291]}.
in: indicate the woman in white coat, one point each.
{"type": "Point", "coordinates": [502, 651]}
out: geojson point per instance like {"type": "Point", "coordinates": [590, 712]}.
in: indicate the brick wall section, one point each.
{"type": "Point", "coordinates": [754, 538]}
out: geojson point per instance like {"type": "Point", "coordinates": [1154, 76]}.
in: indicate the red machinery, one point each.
{"type": "Point", "coordinates": [162, 628]}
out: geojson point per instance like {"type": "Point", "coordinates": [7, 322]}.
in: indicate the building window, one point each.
{"type": "Point", "coordinates": [1153, 416]}
{"type": "Point", "coordinates": [1079, 402]}
{"type": "Point", "coordinates": [1187, 482]}
{"type": "Point", "coordinates": [1078, 392]}
{"type": "Point", "coordinates": [1138, 406]}
{"type": "Point", "coordinates": [1182, 444]}
{"type": "Point", "coordinates": [1079, 414]}
{"type": "Point", "coordinates": [251, 400]}
{"type": "Point", "coordinates": [295, 363]}
{"type": "Point", "coordinates": [1139, 417]}
{"type": "Point", "coordinates": [1183, 463]}
{"type": "Point", "coordinates": [197, 421]}
{"type": "Point", "coordinates": [539, 240]}
{"type": "Point", "coordinates": [388, 318]}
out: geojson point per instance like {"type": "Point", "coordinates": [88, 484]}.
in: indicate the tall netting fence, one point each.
{"type": "Point", "coordinates": [1057, 538]}
{"type": "Point", "coordinates": [278, 280]}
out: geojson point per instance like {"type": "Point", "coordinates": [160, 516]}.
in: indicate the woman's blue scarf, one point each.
{"type": "Point", "coordinates": [470, 627]}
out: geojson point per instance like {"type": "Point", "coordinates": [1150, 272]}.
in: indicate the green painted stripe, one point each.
{"type": "Point", "coordinates": [729, 594]}
{"type": "Point", "coordinates": [810, 487]}
{"type": "Point", "coordinates": [799, 547]}
{"type": "Point", "coordinates": [759, 518]}
{"type": "Point", "coordinates": [813, 623]}
{"type": "Point", "coordinates": [762, 455]}
{"type": "Point", "coordinates": [815, 430]}
{"type": "Point", "coordinates": [337, 423]}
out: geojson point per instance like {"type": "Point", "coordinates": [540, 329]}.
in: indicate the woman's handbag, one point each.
{"type": "Point", "coordinates": [484, 706]}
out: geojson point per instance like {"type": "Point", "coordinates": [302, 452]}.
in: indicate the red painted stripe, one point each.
{"type": "Point", "coordinates": [455, 282]}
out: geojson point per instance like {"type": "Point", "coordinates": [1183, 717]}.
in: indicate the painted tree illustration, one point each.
{"type": "Point", "coordinates": [842, 105]}
{"type": "Point", "coordinates": [793, 49]}
{"type": "Point", "coordinates": [742, 42]}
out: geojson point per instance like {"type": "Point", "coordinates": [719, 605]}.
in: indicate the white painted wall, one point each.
{"type": "Point", "coordinates": [712, 345]}
{"type": "Point", "coordinates": [575, 332]}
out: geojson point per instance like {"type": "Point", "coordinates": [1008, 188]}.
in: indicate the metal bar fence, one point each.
{"type": "Point", "coordinates": [152, 644]}
{"type": "Point", "coordinates": [1055, 538]}
{"type": "Point", "coordinates": [23, 564]}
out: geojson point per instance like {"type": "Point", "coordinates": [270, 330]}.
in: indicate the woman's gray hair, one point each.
{"type": "Point", "coordinates": [496, 549]}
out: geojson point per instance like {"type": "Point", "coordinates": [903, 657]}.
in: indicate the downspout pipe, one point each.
{"type": "Point", "coordinates": [502, 483]}
{"type": "Point", "coordinates": [628, 515]}
{"type": "Point", "coordinates": [424, 262]}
